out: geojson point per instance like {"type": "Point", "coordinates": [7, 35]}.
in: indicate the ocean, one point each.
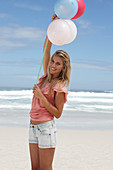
{"type": "Point", "coordinates": [83, 110]}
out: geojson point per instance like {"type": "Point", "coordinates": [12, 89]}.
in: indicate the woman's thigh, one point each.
{"type": "Point", "coordinates": [46, 156]}
{"type": "Point", "coordinates": [34, 154]}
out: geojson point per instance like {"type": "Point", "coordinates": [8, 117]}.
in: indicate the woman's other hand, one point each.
{"type": "Point", "coordinates": [37, 92]}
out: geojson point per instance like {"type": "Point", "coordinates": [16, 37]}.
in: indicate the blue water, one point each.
{"type": "Point", "coordinates": [83, 110]}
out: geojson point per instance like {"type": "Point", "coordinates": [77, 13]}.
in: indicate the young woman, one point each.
{"type": "Point", "coordinates": [49, 97]}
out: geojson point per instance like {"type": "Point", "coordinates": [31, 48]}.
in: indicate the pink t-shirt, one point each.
{"type": "Point", "coordinates": [38, 111]}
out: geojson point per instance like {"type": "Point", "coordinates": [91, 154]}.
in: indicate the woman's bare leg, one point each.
{"type": "Point", "coordinates": [34, 154]}
{"type": "Point", "coordinates": [46, 158]}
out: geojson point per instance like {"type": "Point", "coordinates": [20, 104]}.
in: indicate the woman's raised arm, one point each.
{"type": "Point", "coordinates": [46, 55]}
{"type": "Point", "coordinates": [48, 49]}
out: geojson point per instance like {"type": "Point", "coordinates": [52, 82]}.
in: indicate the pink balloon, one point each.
{"type": "Point", "coordinates": [81, 9]}
{"type": "Point", "coordinates": [59, 32]}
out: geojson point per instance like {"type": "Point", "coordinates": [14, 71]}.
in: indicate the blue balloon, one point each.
{"type": "Point", "coordinates": [66, 9]}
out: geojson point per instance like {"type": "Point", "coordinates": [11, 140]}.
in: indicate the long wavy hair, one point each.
{"type": "Point", "coordinates": [64, 76]}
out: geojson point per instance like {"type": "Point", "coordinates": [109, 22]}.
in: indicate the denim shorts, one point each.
{"type": "Point", "coordinates": [43, 134]}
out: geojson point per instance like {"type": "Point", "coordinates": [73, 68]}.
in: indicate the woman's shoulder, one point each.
{"type": "Point", "coordinates": [42, 78]}
{"type": "Point", "coordinates": [60, 87]}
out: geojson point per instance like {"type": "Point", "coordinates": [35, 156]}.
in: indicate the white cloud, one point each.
{"type": "Point", "coordinates": [10, 44]}
{"type": "Point", "coordinates": [86, 27]}
{"type": "Point", "coordinates": [18, 32]}
{"type": "Point", "coordinates": [3, 16]}
{"type": "Point", "coordinates": [27, 77]}
{"type": "Point", "coordinates": [96, 65]}
{"type": "Point", "coordinates": [84, 23]}
{"type": "Point", "coordinates": [87, 66]}
{"type": "Point", "coordinates": [31, 7]}
{"type": "Point", "coordinates": [24, 62]}
{"type": "Point", "coordinates": [18, 36]}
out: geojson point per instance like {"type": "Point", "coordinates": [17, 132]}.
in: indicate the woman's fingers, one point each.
{"type": "Point", "coordinates": [36, 88]}
{"type": "Point", "coordinates": [54, 17]}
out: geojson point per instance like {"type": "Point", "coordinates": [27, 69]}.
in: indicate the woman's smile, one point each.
{"type": "Point", "coordinates": [53, 69]}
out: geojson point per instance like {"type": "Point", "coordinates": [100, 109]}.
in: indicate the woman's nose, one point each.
{"type": "Point", "coordinates": [53, 65]}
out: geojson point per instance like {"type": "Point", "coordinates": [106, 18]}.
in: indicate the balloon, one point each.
{"type": "Point", "coordinates": [81, 9]}
{"type": "Point", "coordinates": [59, 32]}
{"type": "Point", "coordinates": [66, 9]}
{"type": "Point", "coordinates": [73, 30]}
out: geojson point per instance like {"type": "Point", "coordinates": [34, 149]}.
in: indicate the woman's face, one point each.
{"type": "Point", "coordinates": [56, 66]}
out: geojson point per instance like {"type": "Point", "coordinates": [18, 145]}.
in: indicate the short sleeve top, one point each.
{"type": "Point", "coordinates": [38, 111]}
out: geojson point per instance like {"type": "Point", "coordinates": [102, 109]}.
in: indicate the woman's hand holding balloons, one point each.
{"type": "Point", "coordinates": [54, 17]}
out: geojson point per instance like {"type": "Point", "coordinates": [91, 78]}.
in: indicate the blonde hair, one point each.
{"type": "Point", "coordinates": [64, 76]}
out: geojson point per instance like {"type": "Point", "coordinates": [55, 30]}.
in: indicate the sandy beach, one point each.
{"type": "Point", "coordinates": [76, 149]}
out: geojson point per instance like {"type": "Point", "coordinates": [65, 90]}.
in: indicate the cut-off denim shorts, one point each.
{"type": "Point", "coordinates": [43, 134]}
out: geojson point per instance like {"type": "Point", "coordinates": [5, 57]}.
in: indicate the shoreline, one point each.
{"type": "Point", "coordinates": [68, 120]}
{"type": "Point", "coordinates": [76, 149]}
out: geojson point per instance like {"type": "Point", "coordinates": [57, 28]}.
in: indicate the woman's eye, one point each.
{"type": "Point", "coordinates": [52, 61]}
{"type": "Point", "coordinates": [58, 63]}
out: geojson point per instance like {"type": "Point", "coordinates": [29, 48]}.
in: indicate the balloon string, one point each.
{"type": "Point", "coordinates": [42, 60]}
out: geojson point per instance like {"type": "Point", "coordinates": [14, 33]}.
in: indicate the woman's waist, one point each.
{"type": "Point", "coordinates": [36, 122]}
{"type": "Point", "coordinates": [42, 123]}
{"type": "Point", "coordinates": [40, 118]}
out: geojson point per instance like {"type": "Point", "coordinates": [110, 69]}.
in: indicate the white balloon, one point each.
{"type": "Point", "coordinates": [59, 32]}
{"type": "Point", "coordinates": [73, 30]}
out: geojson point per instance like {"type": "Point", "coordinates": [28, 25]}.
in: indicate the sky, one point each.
{"type": "Point", "coordinates": [23, 28]}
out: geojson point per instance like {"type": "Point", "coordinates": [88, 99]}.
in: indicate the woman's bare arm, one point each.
{"type": "Point", "coordinates": [46, 55]}
{"type": "Point", "coordinates": [48, 49]}
{"type": "Point", "coordinates": [59, 104]}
